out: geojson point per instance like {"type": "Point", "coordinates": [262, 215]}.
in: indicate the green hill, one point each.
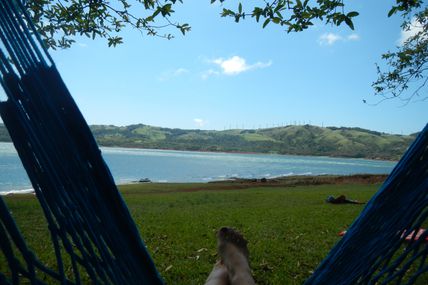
{"type": "Point", "coordinates": [299, 140]}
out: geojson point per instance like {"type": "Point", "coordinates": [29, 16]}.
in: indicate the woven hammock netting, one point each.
{"type": "Point", "coordinates": [92, 233]}
{"type": "Point", "coordinates": [91, 228]}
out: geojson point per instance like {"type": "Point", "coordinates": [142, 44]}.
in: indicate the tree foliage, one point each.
{"type": "Point", "coordinates": [408, 65]}
{"type": "Point", "coordinates": [60, 21]}
{"type": "Point", "coordinates": [295, 16]}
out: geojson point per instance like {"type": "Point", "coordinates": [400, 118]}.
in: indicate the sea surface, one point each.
{"type": "Point", "coordinates": [128, 165]}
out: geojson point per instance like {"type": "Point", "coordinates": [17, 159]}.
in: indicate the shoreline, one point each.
{"type": "Point", "coordinates": [17, 192]}
{"type": "Point", "coordinates": [288, 181]}
{"type": "Point", "coordinates": [297, 180]}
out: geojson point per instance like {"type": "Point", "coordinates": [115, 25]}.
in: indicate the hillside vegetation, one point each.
{"type": "Point", "coordinates": [298, 140]}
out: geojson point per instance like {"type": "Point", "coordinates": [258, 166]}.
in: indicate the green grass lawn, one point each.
{"type": "Point", "coordinates": [289, 229]}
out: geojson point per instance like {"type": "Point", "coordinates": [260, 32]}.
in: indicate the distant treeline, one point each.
{"type": "Point", "coordinates": [298, 140]}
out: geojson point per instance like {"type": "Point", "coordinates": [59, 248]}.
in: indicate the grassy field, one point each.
{"type": "Point", "coordinates": [290, 229]}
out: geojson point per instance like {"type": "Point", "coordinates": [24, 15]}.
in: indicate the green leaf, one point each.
{"type": "Point", "coordinates": [240, 8]}
{"type": "Point", "coordinates": [158, 10]}
{"type": "Point", "coordinates": [279, 7]}
{"type": "Point", "coordinates": [392, 11]}
{"type": "Point", "coordinates": [348, 21]}
{"type": "Point", "coordinates": [352, 14]}
{"type": "Point", "coordinates": [276, 20]}
{"type": "Point", "coordinates": [184, 28]}
{"type": "Point", "coordinates": [113, 41]}
{"type": "Point", "coordinates": [265, 23]}
{"type": "Point", "coordinates": [257, 12]}
{"type": "Point", "coordinates": [166, 10]}
{"type": "Point", "coordinates": [227, 12]}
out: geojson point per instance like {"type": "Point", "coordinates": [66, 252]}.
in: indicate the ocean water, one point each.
{"type": "Point", "coordinates": [128, 165]}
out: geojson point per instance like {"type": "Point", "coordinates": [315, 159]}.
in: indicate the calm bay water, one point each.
{"type": "Point", "coordinates": [128, 165]}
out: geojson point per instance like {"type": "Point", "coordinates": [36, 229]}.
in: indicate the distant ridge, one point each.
{"type": "Point", "coordinates": [298, 140]}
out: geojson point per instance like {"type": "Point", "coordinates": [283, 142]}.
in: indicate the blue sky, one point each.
{"type": "Point", "coordinates": [224, 75]}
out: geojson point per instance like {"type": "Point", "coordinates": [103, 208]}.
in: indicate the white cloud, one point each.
{"type": "Point", "coordinates": [329, 39]}
{"type": "Point", "coordinates": [167, 75]}
{"type": "Point", "coordinates": [414, 28]}
{"type": "Point", "coordinates": [233, 65]}
{"type": "Point", "coordinates": [236, 65]}
{"type": "Point", "coordinates": [82, 45]}
{"type": "Point", "coordinates": [353, 37]}
{"type": "Point", "coordinates": [199, 122]}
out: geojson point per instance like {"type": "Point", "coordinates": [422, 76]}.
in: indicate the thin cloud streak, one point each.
{"type": "Point", "coordinates": [329, 39]}
{"type": "Point", "coordinates": [199, 122]}
{"type": "Point", "coordinates": [167, 75]}
{"type": "Point", "coordinates": [353, 37]}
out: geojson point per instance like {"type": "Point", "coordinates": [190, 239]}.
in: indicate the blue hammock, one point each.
{"type": "Point", "coordinates": [374, 250]}
{"type": "Point", "coordinates": [90, 224]}
{"type": "Point", "coordinates": [88, 219]}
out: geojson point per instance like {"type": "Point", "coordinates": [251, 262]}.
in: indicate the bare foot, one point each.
{"type": "Point", "coordinates": [218, 275]}
{"type": "Point", "coordinates": [234, 254]}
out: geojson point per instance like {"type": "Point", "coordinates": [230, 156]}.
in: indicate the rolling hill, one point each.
{"type": "Point", "coordinates": [298, 140]}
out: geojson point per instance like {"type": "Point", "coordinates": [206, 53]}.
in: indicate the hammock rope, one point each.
{"type": "Point", "coordinates": [89, 223]}
{"type": "Point", "coordinates": [374, 249]}
{"type": "Point", "coordinates": [91, 229]}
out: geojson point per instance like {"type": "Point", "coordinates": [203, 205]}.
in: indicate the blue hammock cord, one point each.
{"type": "Point", "coordinates": [87, 218]}
{"type": "Point", "coordinates": [91, 225]}
{"type": "Point", "coordinates": [373, 251]}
